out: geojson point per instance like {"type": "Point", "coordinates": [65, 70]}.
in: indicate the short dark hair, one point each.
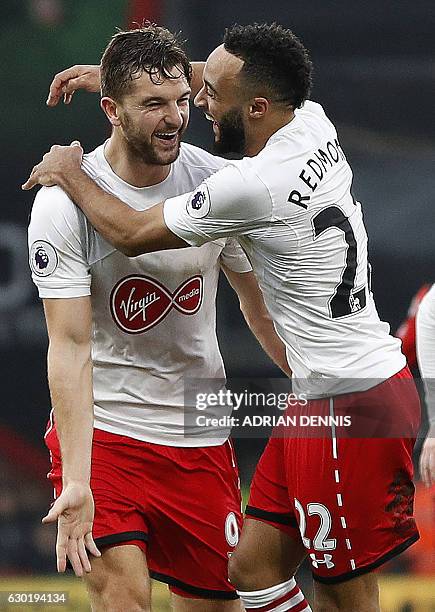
{"type": "Point", "coordinates": [149, 48]}
{"type": "Point", "coordinates": [274, 59]}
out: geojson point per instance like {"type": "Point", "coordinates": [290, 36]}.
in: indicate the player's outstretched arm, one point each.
{"type": "Point", "coordinates": [425, 336]}
{"type": "Point", "coordinates": [87, 77]}
{"type": "Point", "coordinates": [257, 316]}
{"type": "Point", "coordinates": [131, 232]}
{"type": "Point", "coordinates": [67, 82]}
{"type": "Point", "coordinates": [69, 324]}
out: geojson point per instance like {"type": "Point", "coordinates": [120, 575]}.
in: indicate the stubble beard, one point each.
{"type": "Point", "coordinates": [232, 137]}
{"type": "Point", "coordinates": [144, 150]}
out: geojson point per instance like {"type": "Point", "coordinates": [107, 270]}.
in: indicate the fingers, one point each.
{"type": "Point", "coordinates": [68, 81]}
{"type": "Point", "coordinates": [31, 182]}
{"type": "Point", "coordinates": [56, 510]}
{"type": "Point", "coordinates": [61, 548]}
{"type": "Point", "coordinates": [78, 556]}
{"type": "Point", "coordinates": [58, 160]}
{"type": "Point", "coordinates": [50, 517]}
{"type": "Point", "coordinates": [83, 556]}
{"type": "Point", "coordinates": [79, 149]}
{"type": "Point", "coordinates": [67, 97]}
{"type": "Point", "coordinates": [72, 85]}
{"type": "Point", "coordinates": [73, 556]}
{"type": "Point", "coordinates": [91, 546]}
{"type": "Point", "coordinates": [59, 82]}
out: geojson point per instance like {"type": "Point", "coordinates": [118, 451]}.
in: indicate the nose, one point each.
{"type": "Point", "coordinates": [200, 99]}
{"type": "Point", "coordinates": [174, 117]}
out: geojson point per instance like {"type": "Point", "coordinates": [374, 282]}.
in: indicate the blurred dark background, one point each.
{"type": "Point", "coordinates": [375, 76]}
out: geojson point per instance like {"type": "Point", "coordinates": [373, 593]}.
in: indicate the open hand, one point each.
{"type": "Point", "coordinates": [68, 81]}
{"type": "Point", "coordinates": [74, 512]}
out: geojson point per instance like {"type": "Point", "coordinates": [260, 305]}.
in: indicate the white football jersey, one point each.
{"type": "Point", "coordinates": [153, 316]}
{"type": "Point", "coordinates": [292, 209]}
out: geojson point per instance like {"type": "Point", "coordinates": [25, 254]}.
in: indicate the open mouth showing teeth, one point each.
{"type": "Point", "coordinates": [215, 125]}
{"type": "Point", "coordinates": [167, 136]}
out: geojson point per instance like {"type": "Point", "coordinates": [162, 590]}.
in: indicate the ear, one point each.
{"type": "Point", "coordinates": [110, 109]}
{"type": "Point", "coordinates": [258, 108]}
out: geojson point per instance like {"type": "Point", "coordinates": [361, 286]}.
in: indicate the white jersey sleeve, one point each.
{"type": "Point", "coordinates": [425, 336]}
{"type": "Point", "coordinates": [231, 202]}
{"type": "Point", "coordinates": [234, 257]}
{"type": "Point", "coordinates": [56, 252]}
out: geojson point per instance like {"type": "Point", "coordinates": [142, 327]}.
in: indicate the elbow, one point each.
{"type": "Point", "coordinates": [131, 245]}
{"type": "Point", "coordinates": [129, 250]}
{"type": "Point", "coordinates": [127, 246]}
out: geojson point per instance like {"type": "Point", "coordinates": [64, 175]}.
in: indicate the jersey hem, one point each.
{"type": "Point", "coordinates": [336, 388]}
{"type": "Point", "coordinates": [63, 293]}
{"type": "Point", "coordinates": [166, 440]}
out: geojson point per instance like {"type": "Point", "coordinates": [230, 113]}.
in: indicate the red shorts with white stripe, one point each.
{"type": "Point", "coordinates": [347, 492]}
{"type": "Point", "coordinates": [181, 506]}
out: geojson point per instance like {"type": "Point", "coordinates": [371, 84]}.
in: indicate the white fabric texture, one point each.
{"type": "Point", "coordinates": [153, 316]}
{"type": "Point", "coordinates": [292, 209]}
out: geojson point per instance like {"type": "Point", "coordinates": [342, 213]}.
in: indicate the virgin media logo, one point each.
{"type": "Point", "coordinates": [138, 303]}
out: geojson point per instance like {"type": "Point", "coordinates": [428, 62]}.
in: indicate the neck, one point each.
{"type": "Point", "coordinates": [258, 137]}
{"type": "Point", "coordinates": [129, 167]}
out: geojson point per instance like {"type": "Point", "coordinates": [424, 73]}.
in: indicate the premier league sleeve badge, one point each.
{"type": "Point", "coordinates": [43, 258]}
{"type": "Point", "coordinates": [198, 205]}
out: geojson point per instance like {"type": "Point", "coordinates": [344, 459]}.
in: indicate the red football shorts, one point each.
{"type": "Point", "coordinates": [181, 506]}
{"type": "Point", "coordinates": [349, 498]}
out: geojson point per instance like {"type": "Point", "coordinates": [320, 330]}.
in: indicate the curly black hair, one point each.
{"type": "Point", "coordinates": [149, 48]}
{"type": "Point", "coordinates": [274, 59]}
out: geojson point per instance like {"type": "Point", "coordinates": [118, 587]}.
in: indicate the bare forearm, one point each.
{"type": "Point", "coordinates": [257, 316]}
{"type": "Point", "coordinates": [264, 331]}
{"type": "Point", "coordinates": [70, 380]}
{"type": "Point", "coordinates": [113, 219]}
{"type": "Point", "coordinates": [130, 231]}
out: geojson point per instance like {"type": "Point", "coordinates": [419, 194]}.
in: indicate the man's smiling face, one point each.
{"type": "Point", "coordinates": [222, 100]}
{"type": "Point", "coordinates": [154, 115]}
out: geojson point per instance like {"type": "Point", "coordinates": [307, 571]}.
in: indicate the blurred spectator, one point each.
{"type": "Point", "coordinates": [26, 546]}
{"type": "Point", "coordinates": [47, 12]}
{"type": "Point", "coordinates": [406, 330]}
{"type": "Point", "coordinates": [420, 558]}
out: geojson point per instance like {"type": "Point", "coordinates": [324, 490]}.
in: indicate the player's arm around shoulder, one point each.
{"type": "Point", "coordinates": [257, 316]}
{"type": "Point", "coordinates": [130, 231]}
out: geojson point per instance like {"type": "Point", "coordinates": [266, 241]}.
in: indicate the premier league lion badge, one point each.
{"type": "Point", "coordinates": [43, 258]}
{"type": "Point", "coordinates": [198, 205]}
